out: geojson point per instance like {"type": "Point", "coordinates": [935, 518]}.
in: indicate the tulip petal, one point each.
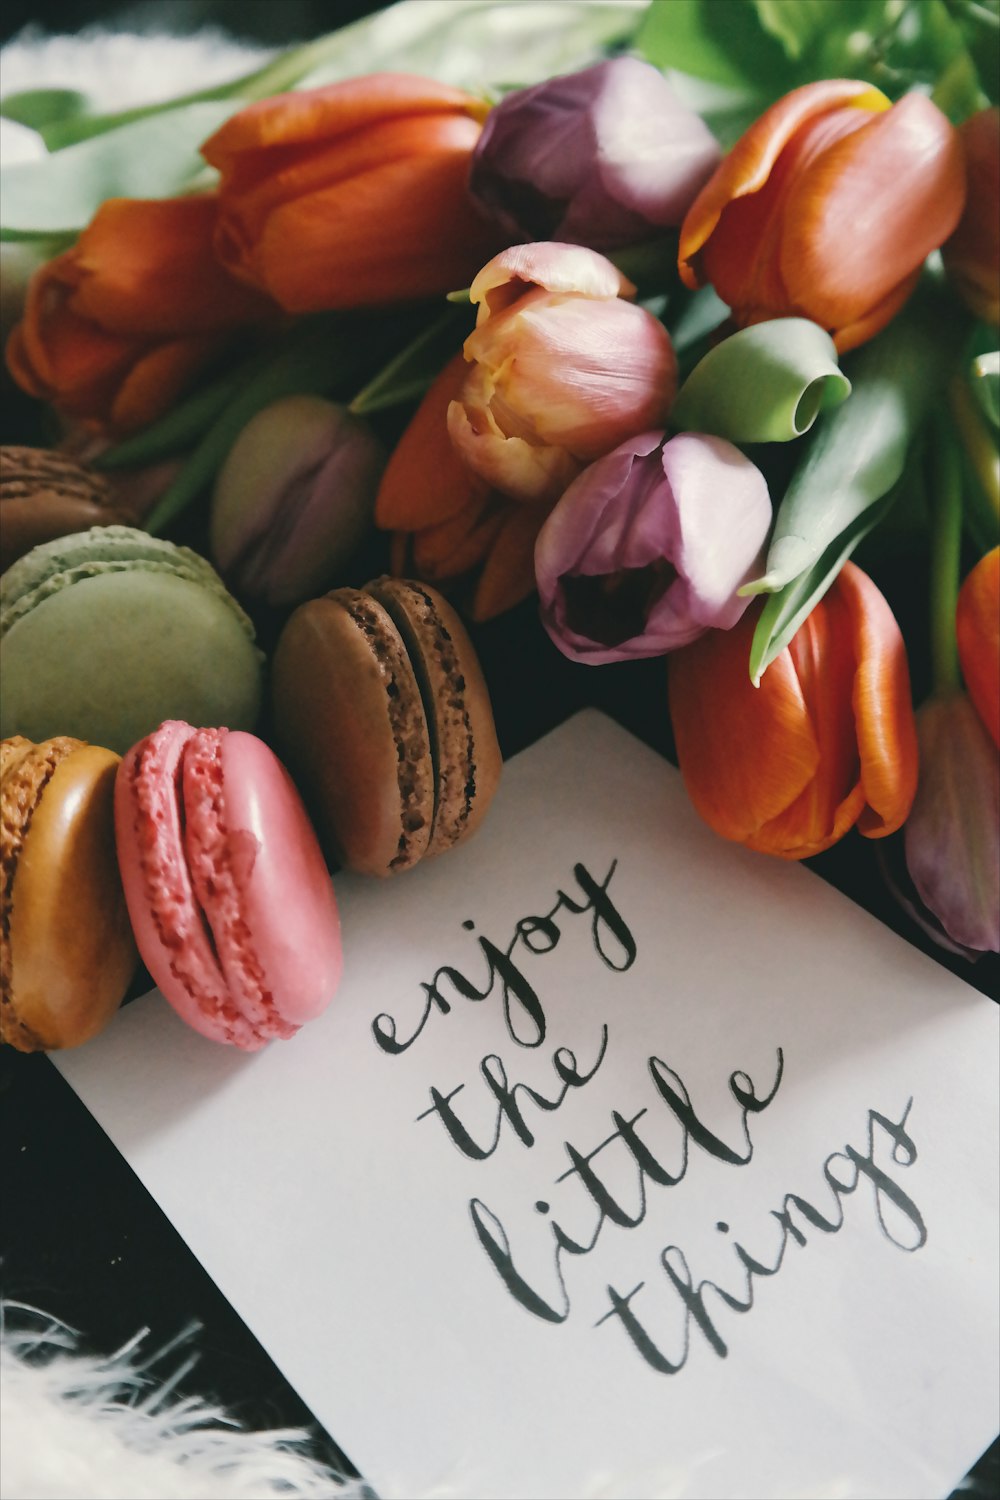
{"type": "Point", "coordinates": [425, 481]}
{"type": "Point", "coordinates": [556, 267]}
{"type": "Point", "coordinates": [952, 836]}
{"type": "Point", "coordinates": [883, 710]}
{"type": "Point", "coordinates": [745, 753]}
{"type": "Point", "coordinates": [509, 573]}
{"type": "Point", "coordinates": [749, 164]}
{"type": "Point", "coordinates": [509, 464]}
{"type": "Point", "coordinates": [331, 249]}
{"type": "Point", "coordinates": [134, 245]}
{"type": "Point", "coordinates": [870, 209]}
{"type": "Point", "coordinates": [977, 623]}
{"type": "Point", "coordinates": [325, 114]}
{"type": "Point", "coordinates": [157, 378]}
{"type": "Point", "coordinates": [457, 545]}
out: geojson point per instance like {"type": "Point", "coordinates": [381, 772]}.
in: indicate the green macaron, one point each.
{"type": "Point", "coordinates": [106, 633]}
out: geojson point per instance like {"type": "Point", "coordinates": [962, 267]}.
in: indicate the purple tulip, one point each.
{"type": "Point", "coordinates": [647, 548]}
{"type": "Point", "coordinates": [294, 500]}
{"type": "Point", "coordinates": [604, 157]}
{"type": "Point", "coordinates": [952, 836]}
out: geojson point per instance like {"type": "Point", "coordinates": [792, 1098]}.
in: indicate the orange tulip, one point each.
{"type": "Point", "coordinates": [978, 626]}
{"type": "Point", "coordinates": [115, 328]}
{"type": "Point", "coordinates": [352, 195]}
{"type": "Point", "coordinates": [972, 255]}
{"type": "Point", "coordinates": [826, 209]}
{"type": "Point", "coordinates": [826, 743]}
{"type": "Point", "coordinates": [448, 521]}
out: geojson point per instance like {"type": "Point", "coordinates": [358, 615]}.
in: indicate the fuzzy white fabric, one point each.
{"type": "Point", "coordinates": [82, 1427]}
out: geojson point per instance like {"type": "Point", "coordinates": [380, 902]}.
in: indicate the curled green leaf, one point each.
{"type": "Point", "coordinates": [858, 451]}
{"type": "Point", "coordinates": [765, 384]}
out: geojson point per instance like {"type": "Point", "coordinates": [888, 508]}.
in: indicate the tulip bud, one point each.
{"type": "Point", "coordinates": [972, 255]}
{"type": "Point", "coordinates": [952, 836]}
{"type": "Point", "coordinates": [977, 626]}
{"type": "Point", "coordinates": [564, 369]}
{"type": "Point", "coordinates": [648, 546]}
{"type": "Point", "coordinates": [294, 499]}
{"type": "Point", "coordinates": [827, 208]}
{"type": "Point", "coordinates": [604, 157]}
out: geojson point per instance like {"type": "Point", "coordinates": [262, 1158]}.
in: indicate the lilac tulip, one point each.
{"type": "Point", "coordinates": [952, 836]}
{"type": "Point", "coordinates": [604, 157]}
{"type": "Point", "coordinates": [294, 499]}
{"type": "Point", "coordinates": [647, 548]}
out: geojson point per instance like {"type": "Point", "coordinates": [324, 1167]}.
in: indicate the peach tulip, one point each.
{"type": "Point", "coordinates": [977, 623]}
{"type": "Point", "coordinates": [116, 327]}
{"type": "Point", "coordinates": [972, 255]}
{"type": "Point", "coordinates": [826, 743]}
{"type": "Point", "coordinates": [563, 369]}
{"type": "Point", "coordinates": [352, 195]}
{"type": "Point", "coordinates": [827, 208]}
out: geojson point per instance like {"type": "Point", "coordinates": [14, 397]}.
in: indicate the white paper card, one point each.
{"type": "Point", "coordinates": [682, 1181]}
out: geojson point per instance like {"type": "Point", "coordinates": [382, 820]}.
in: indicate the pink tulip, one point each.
{"type": "Point", "coordinates": [647, 548]}
{"type": "Point", "coordinates": [563, 369]}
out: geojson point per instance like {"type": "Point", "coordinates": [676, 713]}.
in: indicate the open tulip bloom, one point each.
{"type": "Point", "coordinates": [590, 330]}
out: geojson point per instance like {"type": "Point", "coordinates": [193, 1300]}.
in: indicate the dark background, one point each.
{"type": "Point", "coordinates": [80, 1237]}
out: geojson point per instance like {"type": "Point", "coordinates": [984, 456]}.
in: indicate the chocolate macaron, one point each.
{"type": "Point", "coordinates": [383, 717]}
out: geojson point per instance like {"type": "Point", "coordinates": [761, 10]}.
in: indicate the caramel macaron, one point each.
{"type": "Point", "coordinates": [66, 949]}
{"type": "Point", "coordinates": [383, 716]}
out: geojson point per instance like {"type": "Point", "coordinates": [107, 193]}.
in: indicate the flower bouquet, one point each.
{"type": "Point", "coordinates": [680, 338]}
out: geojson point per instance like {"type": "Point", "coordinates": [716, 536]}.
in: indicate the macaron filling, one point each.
{"type": "Point", "coordinates": [185, 939]}
{"type": "Point", "coordinates": [443, 689]}
{"type": "Point", "coordinates": [407, 722]}
{"type": "Point", "coordinates": [221, 863]}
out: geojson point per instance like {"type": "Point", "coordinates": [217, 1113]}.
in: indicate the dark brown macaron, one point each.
{"type": "Point", "coordinates": [44, 495]}
{"type": "Point", "coordinates": [382, 714]}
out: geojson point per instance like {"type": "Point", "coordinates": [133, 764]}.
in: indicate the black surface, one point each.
{"type": "Point", "coordinates": [80, 1236]}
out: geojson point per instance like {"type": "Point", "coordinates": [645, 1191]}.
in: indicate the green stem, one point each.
{"type": "Point", "coordinates": [946, 548]}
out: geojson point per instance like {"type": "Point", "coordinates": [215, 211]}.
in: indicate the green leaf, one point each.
{"type": "Point", "coordinates": [797, 24]}
{"type": "Point", "coordinates": [480, 45]}
{"type": "Point", "coordinates": [786, 610]}
{"type": "Point", "coordinates": [765, 384]}
{"type": "Point", "coordinates": [719, 40]}
{"type": "Point", "coordinates": [858, 451]}
{"type": "Point", "coordinates": [37, 108]}
{"type": "Point", "coordinates": [986, 385]}
{"type": "Point", "coordinates": [407, 375]}
{"type": "Point", "coordinates": [153, 158]}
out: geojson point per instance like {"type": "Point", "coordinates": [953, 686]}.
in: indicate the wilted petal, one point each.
{"type": "Point", "coordinates": [952, 836]}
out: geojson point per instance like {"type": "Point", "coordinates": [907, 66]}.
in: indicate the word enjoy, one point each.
{"type": "Point", "coordinates": [523, 1013]}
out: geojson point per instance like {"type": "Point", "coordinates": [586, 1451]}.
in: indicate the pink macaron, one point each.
{"type": "Point", "coordinates": [229, 896]}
